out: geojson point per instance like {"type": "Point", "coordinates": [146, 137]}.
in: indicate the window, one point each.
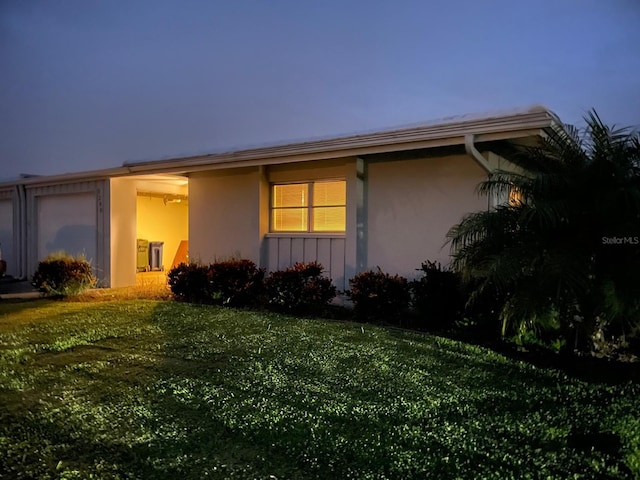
{"type": "Point", "coordinates": [309, 207]}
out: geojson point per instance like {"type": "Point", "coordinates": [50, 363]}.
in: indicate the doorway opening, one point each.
{"type": "Point", "coordinates": [162, 226]}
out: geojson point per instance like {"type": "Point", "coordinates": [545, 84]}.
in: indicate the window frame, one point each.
{"type": "Point", "coordinates": [309, 208]}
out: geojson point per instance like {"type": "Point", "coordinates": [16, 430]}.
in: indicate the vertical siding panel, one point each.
{"type": "Point", "coordinates": [297, 250]}
{"type": "Point", "coordinates": [284, 253]}
{"type": "Point", "coordinates": [272, 254]}
{"type": "Point", "coordinates": [310, 249]}
{"type": "Point", "coordinates": [337, 262]}
{"type": "Point", "coordinates": [324, 254]}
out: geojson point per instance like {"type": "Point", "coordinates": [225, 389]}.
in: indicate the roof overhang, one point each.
{"type": "Point", "coordinates": [509, 126]}
{"type": "Point", "coordinates": [517, 125]}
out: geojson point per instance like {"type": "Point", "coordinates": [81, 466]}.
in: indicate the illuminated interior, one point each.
{"type": "Point", "coordinates": [162, 215]}
{"type": "Point", "coordinates": [515, 197]}
{"type": "Point", "coordinates": [309, 207]}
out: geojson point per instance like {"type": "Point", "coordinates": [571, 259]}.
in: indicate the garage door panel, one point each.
{"type": "Point", "coordinates": [67, 223]}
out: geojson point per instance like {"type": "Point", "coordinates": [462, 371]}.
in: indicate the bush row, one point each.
{"type": "Point", "coordinates": [438, 301]}
{"type": "Point", "coordinates": [240, 283]}
{"type": "Point", "coordinates": [435, 301]}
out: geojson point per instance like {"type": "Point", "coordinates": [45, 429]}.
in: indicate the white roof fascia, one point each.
{"type": "Point", "coordinates": [501, 128]}
{"type": "Point", "coordinates": [86, 176]}
{"type": "Point", "coordinates": [510, 125]}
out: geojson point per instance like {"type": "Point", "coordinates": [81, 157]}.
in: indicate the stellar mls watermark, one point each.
{"type": "Point", "coordinates": [620, 240]}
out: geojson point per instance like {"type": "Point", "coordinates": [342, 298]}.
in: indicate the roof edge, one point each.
{"type": "Point", "coordinates": [536, 117]}
{"type": "Point", "coordinates": [449, 131]}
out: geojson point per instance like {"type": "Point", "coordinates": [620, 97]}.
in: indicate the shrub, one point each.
{"type": "Point", "coordinates": [61, 275]}
{"type": "Point", "coordinates": [298, 289]}
{"type": "Point", "coordinates": [189, 282]}
{"type": "Point", "coordinates": [483, 305]}
{"type": "Point", "coordinates": [378, 295]}
{"type": "Point", "coordinates": [235, 283]}
{"type": "Point", "coordinates": [438, 297]}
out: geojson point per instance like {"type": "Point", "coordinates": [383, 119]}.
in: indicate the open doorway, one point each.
{"type": "Point", "coordinates": [162, 226]}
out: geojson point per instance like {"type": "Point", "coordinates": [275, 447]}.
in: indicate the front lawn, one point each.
{"type": "Point", "coordinates": [153, 389]}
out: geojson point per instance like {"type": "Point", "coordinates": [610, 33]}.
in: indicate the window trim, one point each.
{"type": "Point", "coordinates": [309, 208]}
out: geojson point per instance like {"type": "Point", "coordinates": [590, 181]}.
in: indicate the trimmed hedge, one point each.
{"type": "Point", "coordinates": [232, 283]}
{"type": "Point", "coordinates": [379, 296]}
{"type": "Point", "coordinates": [189, 282]}
{"type": "Point", "coordinates": [235, 283]}
{"type": "Point", "coordinates": [299, 289]}
{"type": "Point", "coordinates": [61, 275]}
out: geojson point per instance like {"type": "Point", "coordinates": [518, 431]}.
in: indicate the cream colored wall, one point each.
{"type": "Point", "coordinates": [308, 171]}
{"type": "Point", "coordinates": [225, 215]}
{"type": "Point", "coordinates": [6, 235]}
{"type": "Point", "coordinates": [164, 223]}
{"type": "Point", "coordinates": [411, 204]}
{"type": "Point", "coordinates": [407, 208]}
{"type": "Point", "coordinates": [123, 232]}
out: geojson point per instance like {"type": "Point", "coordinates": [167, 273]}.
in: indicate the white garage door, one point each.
{"type": "Point", "coordinates": [67, 223]}
{"type": "Point", "coordinates": [6, 235]}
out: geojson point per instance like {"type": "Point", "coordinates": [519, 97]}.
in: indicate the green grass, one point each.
{"type": "Point", "coordinates": [149, 389]}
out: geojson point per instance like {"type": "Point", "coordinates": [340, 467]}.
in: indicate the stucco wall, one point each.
{"type": "Point", "coordinates": [123, 232]}
{"type": "Point", "coordinates": [411, 204]}
{"type": "Point", "coordinates": [6, 235]}
{"type": "Point", "coordinates": [168, 223]}
{"type": "Point", "coordinates": [225, 214]}
{"type": "Point", "coordinates": [408, 207]}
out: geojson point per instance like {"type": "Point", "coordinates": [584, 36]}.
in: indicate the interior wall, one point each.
{"type": "Point", "coordinates": [6, 235]}
{"type": "Point", "coordinates": [164, 222]}
{"type": "Point", "coordinates": [412, 204]}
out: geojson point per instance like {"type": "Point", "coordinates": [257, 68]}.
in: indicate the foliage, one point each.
{"type": "Point", "coordinates": [232, 283]}
{"type": "Point", "coordinates": [145, 389]}
{"type": "Point", "coordinates": [61, 275]}
{"type": "Point", "coordinates": [377, 295]}
{"type": "Point", "coordinates": [189, 282]}
{"type": "Point", "coordinates": [300, 288]}
{"type": "Point", "coordinates": [483, 303]}
{"type": "Point", "coordinates": [569, 242]}
{"type": "Point", "coordinates": [235, 283]}
{"type": "Point", "coordinates": [438, 297]}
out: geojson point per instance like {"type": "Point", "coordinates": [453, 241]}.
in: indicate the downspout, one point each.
{"type": "Point", "coordinates": [17, 232]}
{"type": "Point", "coordinates": [21, 232]}
{"type": "Point", "coordinates": [23, 222]}
{"type": "Point", "coordinates": [473, 152]}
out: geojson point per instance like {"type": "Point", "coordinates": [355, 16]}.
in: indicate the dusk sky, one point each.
{"type": "Point", "coordinates": [90, 84]}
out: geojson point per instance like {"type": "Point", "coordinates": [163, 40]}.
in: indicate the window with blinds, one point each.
{"type": "Point", "coordinates": [309, 207]}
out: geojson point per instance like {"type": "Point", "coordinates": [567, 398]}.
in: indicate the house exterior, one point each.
{"type": "Point", "coordinates": [382, 199]}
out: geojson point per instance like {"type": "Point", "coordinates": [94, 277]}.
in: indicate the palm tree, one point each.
{"type": "Point", "coordinates": [567, 243]}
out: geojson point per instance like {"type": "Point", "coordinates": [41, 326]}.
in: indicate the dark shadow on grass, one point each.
{"type": "Point", "coordinates": [582, 367]}
{"type": "Point", "coordinates": [11, 305]}
{"type": "Point", "coordinates": [214, 448]}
